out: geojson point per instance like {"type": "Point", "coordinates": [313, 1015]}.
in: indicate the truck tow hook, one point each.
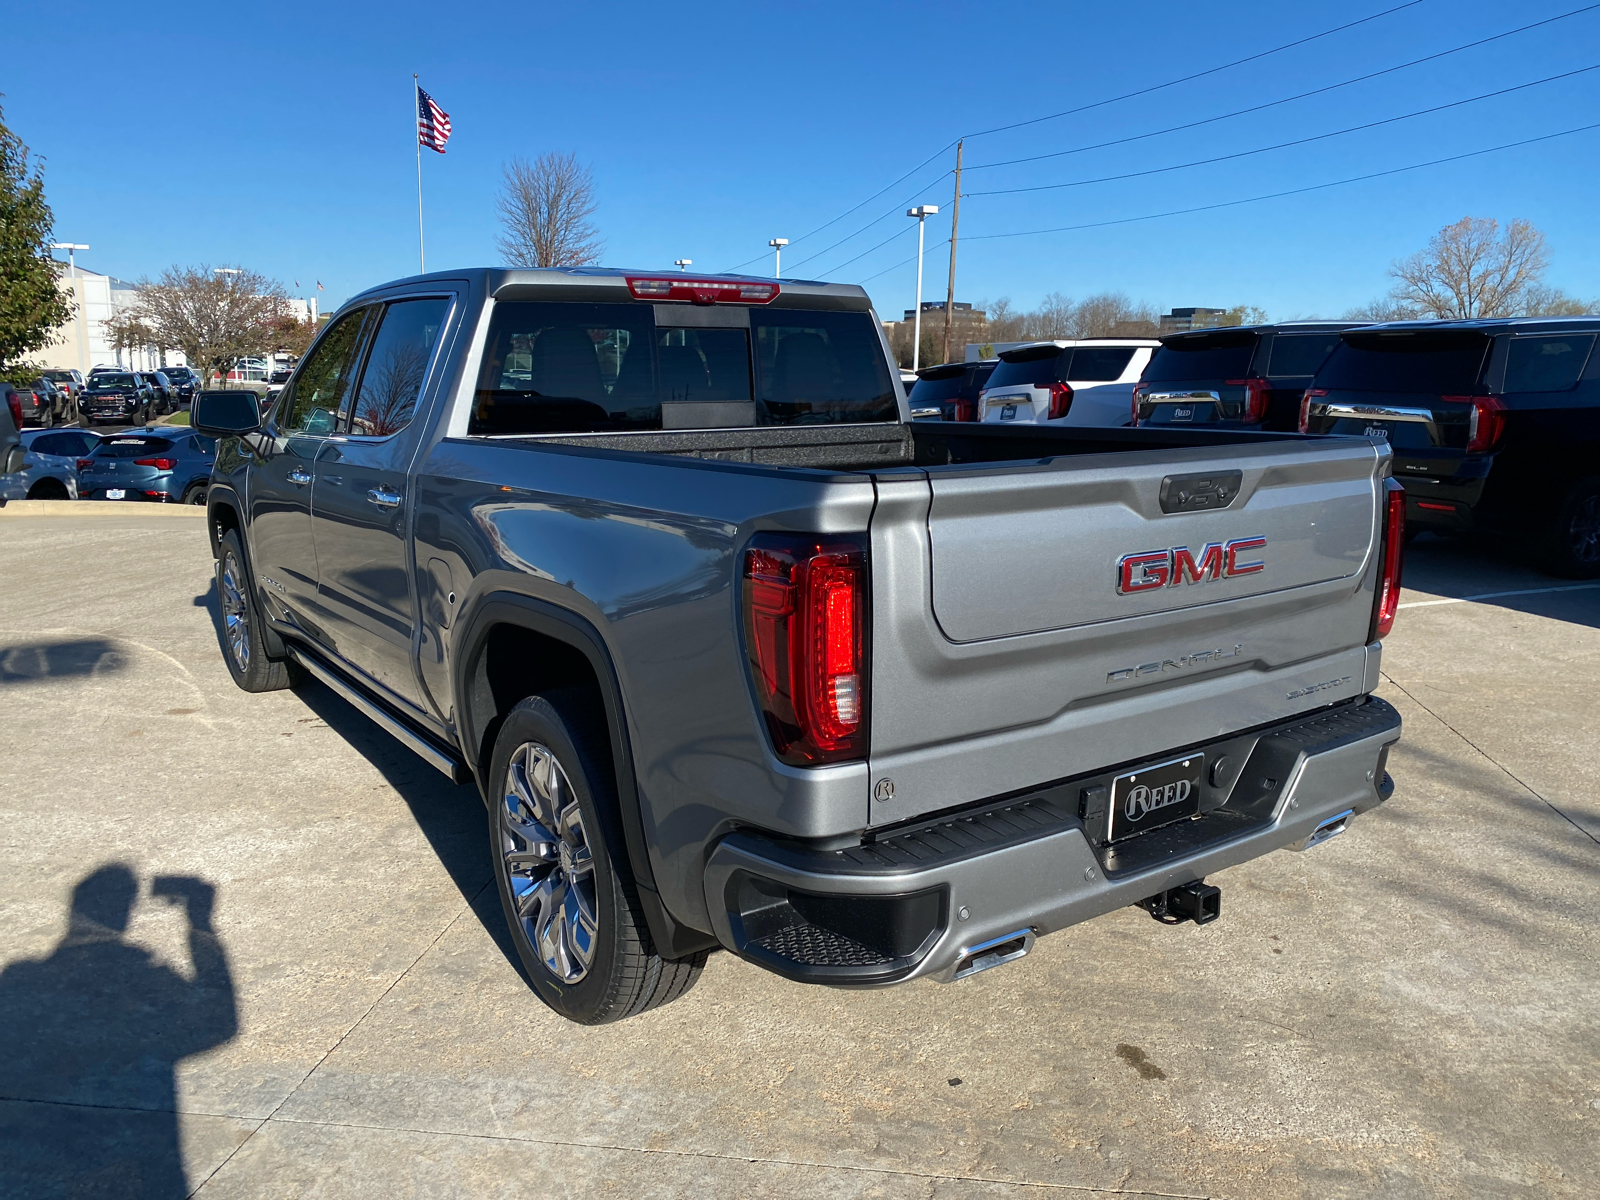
{"type": "Point", "coordinates": [1198, 902]}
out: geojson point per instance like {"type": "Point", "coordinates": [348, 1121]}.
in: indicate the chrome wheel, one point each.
{"type": "Point", "coordinates": [235, 612]}
{"type": "Point", "coordinates": [1585, 530]}
{"type": "Point", "coordinates": [548, 861]}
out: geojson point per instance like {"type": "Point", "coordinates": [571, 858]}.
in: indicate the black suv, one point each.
{"type": "Point", "coordinates": [950, 392]}
{"type": "Point", "coordinates": [1243, 378]}
{"type": "Point", "coordinates": [1495, 425]}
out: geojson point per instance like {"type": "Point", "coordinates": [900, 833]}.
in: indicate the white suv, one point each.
{"type": "Point", "coordinates": [1084, 382]}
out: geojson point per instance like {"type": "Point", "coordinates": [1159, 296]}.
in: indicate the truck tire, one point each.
{"type": "Point", "coordinates": [561, 867]}
{"type": "Point", "coordinates": [1571, 545]}
{"type": "Point", "coordinates": [240, 629]}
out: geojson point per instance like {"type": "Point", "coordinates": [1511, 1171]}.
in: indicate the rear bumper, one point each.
{"type": "Point", "coordinates": [890, 911]}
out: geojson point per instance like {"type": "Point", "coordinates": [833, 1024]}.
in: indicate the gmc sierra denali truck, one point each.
{"type": "Point", "coordinates": [739, 656]}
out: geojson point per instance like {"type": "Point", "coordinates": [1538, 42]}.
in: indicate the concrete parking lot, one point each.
{"type": "Point", "coordinates": [252, 949]}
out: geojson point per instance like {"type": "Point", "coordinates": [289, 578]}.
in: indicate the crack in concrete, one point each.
{"type": "Point", "coordinates": [1506, 771]}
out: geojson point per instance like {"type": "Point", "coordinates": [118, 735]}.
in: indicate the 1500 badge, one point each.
{"type": "Point", "coordinates": [1151, 569]}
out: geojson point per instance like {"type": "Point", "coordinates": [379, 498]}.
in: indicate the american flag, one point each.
{"type": "Point", "coordinates": [433, 123]}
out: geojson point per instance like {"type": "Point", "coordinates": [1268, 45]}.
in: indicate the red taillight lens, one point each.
{"type": "Point", "coordinates": [1060, 400]}
{"type": "Point", "coordinates": [1485, 424]}
{"type": "Point", "coordinates": [85, 463]}
{"type": "Point", "coordinates": [14, 403]}
{"type": "Point", "coordinates": [1305, 407]}
{"type": "Point", "coordinates": [1255, 397]}
{"type": "Point", "coordinates": [160, 464]}
{"type": "Point", "coordinates": [1386, 600]}
{"type": "Point", "coordinates": [702, 291]}
{"type": "Point", "coordinates": [805, 620]}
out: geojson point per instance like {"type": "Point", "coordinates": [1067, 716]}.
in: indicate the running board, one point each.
{"type": "Point", "coordinates": [443, 760]}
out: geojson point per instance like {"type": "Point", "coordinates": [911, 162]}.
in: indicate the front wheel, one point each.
{"type": "Point", "coordinates": [562, 871]}
{"type": "Point", "coordinates": [242, 646]}
{"type": "Point", "coordinates": [1571, 546]}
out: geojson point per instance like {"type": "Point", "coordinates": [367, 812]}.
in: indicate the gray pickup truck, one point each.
{"type": "Point", "coordinates": [739, 656]}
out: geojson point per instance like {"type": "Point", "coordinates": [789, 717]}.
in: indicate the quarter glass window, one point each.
{"type": "Point", "coordinates": [1547, 364]}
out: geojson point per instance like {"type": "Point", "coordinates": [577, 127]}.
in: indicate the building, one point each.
{"type": "Point", "coordinates": [968, 323]}
{"type": "Point", "coordinates": [1181, 319]}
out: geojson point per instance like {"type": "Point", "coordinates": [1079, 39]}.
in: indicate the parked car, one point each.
{"type": "Point", "coordinates": [1243, 378]}
{"type": "Point", "coordinates": [741, 656]}
{"type": "Point", "coordinates": [183, 383]}
{"type": "Point", "coordinates": [166, 399]}
{"type": "Point", "coordinates": [42, 403]}
{"type": "Point", "coordinates": [949, 392]}
{"type": "Point", "coordinates": [1494, 425]}
{"type": "Point", "coordinates": [160, 463]}
{"type": "Point", "coordinates": [50, 466]}
{"type": "Point", "coordinates": [68, 381]}
{"type": "Point", "coordinates": [1082, 382]}
{"type": "Point", "coordinates": [120, 396]}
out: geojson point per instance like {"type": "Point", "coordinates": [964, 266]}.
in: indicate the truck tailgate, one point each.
{"type": "Point", "coordinates": [1011, 646]}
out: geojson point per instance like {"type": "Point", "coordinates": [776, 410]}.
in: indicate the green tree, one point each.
{"type": "Point", "coordinates": [31, 305]}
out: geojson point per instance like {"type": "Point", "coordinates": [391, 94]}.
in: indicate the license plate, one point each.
{"type": "Point", "coordinates": [1155, 796]}
{"type": "Point", "coordinates": [1008, 412]}
{"type": "Point", "coordinates": [116, 493]}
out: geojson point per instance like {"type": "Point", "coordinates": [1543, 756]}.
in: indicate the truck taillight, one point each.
{"type": "Point", "coordinates": [1256, 393]}
{"type": "Point", "coordinates": [160, 464]}
{"type": "Point", "coordinates": [1386, 600]}
{"type": "Point", "coordinates": [1305, 407]}
{"type": "Point", "coordinates": [1485, 423]}
{"type": "Point", "coordinates": [805, 625]}
{"type": "Point", "coordinates": [1060, 400]}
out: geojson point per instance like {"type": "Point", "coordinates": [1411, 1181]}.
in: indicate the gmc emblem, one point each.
{"type": "Point", "coordinates": [1168, 568]}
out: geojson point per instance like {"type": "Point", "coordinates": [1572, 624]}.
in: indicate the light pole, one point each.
{"type": "Point", "coordinates": [72, 264]}
{"type": "Point", "coordinates": [227, 270]}
{"type": "Point", "coordinates": [922, 212]}
{"type": "Point", "coordinates": [777, 245]}
{"type": "Point", "coordinates": [683, 264]}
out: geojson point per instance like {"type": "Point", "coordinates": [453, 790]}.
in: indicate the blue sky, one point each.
{"type": "Point", "coordinates": [281, 137]}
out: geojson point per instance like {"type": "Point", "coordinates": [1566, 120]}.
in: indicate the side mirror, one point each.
{"type": "Point", "coordinates": [225, 414]}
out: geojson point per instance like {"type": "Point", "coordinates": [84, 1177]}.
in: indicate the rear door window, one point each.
{"type": "Point", "coordinates": [392, 380]}
{"type": "Point", "coordinates": [1213, 356]}
{"type": "Point", "coordinates": [1100, 364]}
{"type": "Point", "coordinates": [1444, 363]}
{"type": "Point", "coordinates": [1547, 363]}
{"type": "Point", "coordinates": [1300, 353]}
{"type": "Point", "coordinates": [60, 444]}
{"type": "Point", "coordinates": [1039, 366]}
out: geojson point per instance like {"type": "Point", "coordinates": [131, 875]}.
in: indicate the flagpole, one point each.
{"type": "Point", "coordinates": [416, 108]}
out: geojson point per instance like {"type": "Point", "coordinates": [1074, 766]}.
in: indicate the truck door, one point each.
{"type": "Point", "coordinates": [360, 512]}
{"type": "Point", "coordinates": [282, 478]}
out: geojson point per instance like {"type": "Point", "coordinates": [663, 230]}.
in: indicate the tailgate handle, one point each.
{"type": "Point", "coordinates": [1196, 493]}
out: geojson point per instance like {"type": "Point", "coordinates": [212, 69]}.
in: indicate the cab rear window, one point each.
{"type": "Point", "coordinates": [1212, 356]}
{"type": "Point", "coordinates": [553, 367]}
{"type": "Point", "coordinates": [1444, 363]}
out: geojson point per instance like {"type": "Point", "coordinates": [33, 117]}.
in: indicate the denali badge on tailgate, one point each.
{"type": "Point", "coordinates": [1168, 568]}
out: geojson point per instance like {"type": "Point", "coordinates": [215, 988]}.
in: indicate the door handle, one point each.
{"type": "Point", "coordinates": [383, 497]}
{"type": "Point", "coordinates": [300, 475]}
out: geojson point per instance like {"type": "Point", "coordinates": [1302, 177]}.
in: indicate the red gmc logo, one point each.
{"type": "Point", "coordinates": [1168, 568]}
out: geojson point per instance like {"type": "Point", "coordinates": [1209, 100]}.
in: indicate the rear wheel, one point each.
{"type": "Point", "coordinates": [195, 493]}
{"type": "Point", "coordinates": [48, 489]}
{"type": "Point", "coordinates": [562, 870]}
{"type": "Point", "coordinates": [1571, 545]}
{"type": "Point", "coordinates": [240, 631]}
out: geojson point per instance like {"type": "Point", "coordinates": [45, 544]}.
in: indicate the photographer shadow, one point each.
{"type": "Point", "coordinates": [92, 1035]}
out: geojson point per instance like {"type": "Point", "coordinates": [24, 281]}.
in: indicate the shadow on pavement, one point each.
{"type": "Point", "coordinates": [92, 1034]}
{"type": "Point", "coordinates": [28, 662]}
{"type": "Point", "coordinates": [1473, 566]}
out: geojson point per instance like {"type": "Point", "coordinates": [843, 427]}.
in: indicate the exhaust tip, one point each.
{"type": "Point", "coordinates": [994, 953]}
{"type": "Point", "coordinates": [1331, 828]}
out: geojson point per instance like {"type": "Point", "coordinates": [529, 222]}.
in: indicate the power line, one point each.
{"type": "Point", "coordinates": [1145, 91]}
{"type": "Point", "coordinates": [1255, 108]}
{"type": "Point", "coordinates": [1097, 104]}
{"type": "Point", "coordinates": [873, 222]}
{"type": "Point", "coordinates": [1179, 212]}
{"type": "Point", "coordinates": [1202, 162]}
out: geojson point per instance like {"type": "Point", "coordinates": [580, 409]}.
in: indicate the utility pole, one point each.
{"type": "Point", "coordinates": [950, 294]}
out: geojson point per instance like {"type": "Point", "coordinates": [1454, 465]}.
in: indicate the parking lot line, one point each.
{"type": "Point", "coordinates": [1569, 587]}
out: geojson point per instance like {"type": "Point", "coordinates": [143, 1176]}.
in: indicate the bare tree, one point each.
{"type": "Point", "coordinates": [1472, 269]}
{"type": "Point", "coordinates": [545, 208]}
{"type": "Point", "coordinates": [1112, 314]}
{"type": "Point", "coordinates": [1385, 308]}
{"type": "Point", "coordinates": [1541, 301]}
{"type": "Point", "coordinates": [1053, 319]}
{"type": "Point", "coordinates": [215, 317]}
